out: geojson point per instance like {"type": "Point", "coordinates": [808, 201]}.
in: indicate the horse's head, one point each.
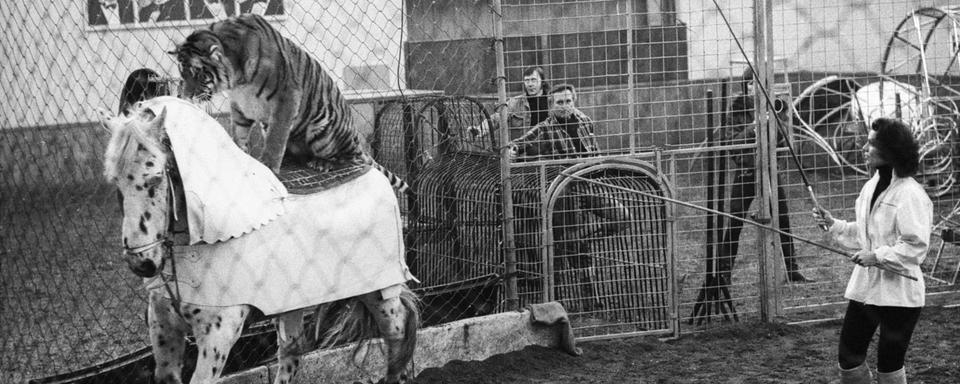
{"type": "Point", "coordinates": [138, 161]}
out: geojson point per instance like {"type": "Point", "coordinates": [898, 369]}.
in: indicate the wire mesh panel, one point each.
{"type": "Point", "coordinates": [454, 211]}
{"type": "Point", "coordinates": [72, 309]}
{"type": "Point", "coordinates": [609, 261]}
{"type": "Point", "coordinates": [883, 59]}
{"type": "Point", "coordinates": [744, 106]}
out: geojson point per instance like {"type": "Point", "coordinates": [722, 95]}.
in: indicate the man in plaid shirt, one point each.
{"type": "Point", "coordinates": [566, 133]}
{"type": "Point", "coordinates": [569, 133]}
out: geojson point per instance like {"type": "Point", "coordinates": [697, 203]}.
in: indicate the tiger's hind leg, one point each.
{"type": "Point", "coordinates": [167, 338]}
{"type": "Point", "coordinates": [398, 319]}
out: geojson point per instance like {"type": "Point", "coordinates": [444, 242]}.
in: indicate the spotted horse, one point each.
{"type": "Point", "coordinates": [216, 236]}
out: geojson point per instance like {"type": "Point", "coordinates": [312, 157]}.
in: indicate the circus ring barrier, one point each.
{"type": "Point", "coordinates": [471, 339]}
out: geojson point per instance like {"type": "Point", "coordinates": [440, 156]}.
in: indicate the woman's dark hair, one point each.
{"type": "Point", "coordinates": [142, 84]}
{"type": "Point", "coordinates": [897, 146]}
{"type": "Point", "coordinates": [544, 85]}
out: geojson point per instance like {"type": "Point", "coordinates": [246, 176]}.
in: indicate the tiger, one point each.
{"type": "Point", "coordinates": [271, 80]}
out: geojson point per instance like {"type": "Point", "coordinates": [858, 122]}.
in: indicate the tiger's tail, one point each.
{"type": "Point", "coordinates": [395, 181]}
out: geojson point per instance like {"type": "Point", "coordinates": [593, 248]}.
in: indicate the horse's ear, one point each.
{"type": "Point", "coordinates": [147, 115]}
{"type": "Point", "coordinates": [163, 115]}
{"type": "Point", "coordinates": [156, 124]}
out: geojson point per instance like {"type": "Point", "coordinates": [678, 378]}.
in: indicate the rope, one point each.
{"type": "Point", "coordinates": [734, 217]}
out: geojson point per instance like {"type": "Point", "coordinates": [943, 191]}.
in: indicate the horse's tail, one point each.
{"type": "Point", "coordinates": [411, 302]}
{"type": "Point", "coordinates": [345, 321]}
{"type": "Point", "coordinates": [352, 321]}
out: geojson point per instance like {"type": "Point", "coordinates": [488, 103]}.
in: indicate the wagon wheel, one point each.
{"type": "Point", "coordinates": [926, 43]}
{"type": "Point", "coordinates": [938, 136]}
{"type": "Point", "coordinates": [925, 48]}
{"type": "Point", "coordinates": [825, 114]}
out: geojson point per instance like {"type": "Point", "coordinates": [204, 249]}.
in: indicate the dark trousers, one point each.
{"type": "Point", "coordinates": [743, 192]}
{"type": "Point", "coordinates": [861, 321]}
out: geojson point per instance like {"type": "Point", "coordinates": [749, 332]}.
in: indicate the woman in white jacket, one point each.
{"type": "Point", "coordinates": [892, 229]}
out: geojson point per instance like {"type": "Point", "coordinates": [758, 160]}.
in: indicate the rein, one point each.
{"type": "Point", "coordinates": [167, 243]}
{"type": "Point", "coordinates": [172, 203]}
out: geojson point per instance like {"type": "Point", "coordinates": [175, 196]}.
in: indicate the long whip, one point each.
{"type": "Point", "coordinates": [780, 129]}
{"type": "Point", "coordinates": [734, 217]}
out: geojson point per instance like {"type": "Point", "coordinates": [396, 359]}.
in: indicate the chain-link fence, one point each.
{"type": "Point", "coordinates": [577, 211]}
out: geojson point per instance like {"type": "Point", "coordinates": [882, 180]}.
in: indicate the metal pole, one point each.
{"type": "Point", "coordinates": [775, 257]}
{"type": "Point", "coordinates": [769, 104]}
{"type": "Point", "coordinates": [631, 97]}
{"type": "Point", "coordinates": [765, 155]}
{"type": "Point", "coordinates": [506, 192]}
{"type": "Point", "coordinates": [711, 184]}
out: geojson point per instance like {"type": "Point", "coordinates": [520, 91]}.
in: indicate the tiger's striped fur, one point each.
{"type": "Point", "coordinates": [270, 79]}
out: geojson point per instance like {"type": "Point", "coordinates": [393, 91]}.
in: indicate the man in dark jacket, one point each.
{"type": "Point", "coordinates": [740, 129]}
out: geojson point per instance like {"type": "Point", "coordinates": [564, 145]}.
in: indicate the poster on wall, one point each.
{"type": "Point", "coordinates": [146, 13]}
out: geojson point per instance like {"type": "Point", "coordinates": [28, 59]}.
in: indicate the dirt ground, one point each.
{"type": "Point", "coordinates": [739, 353]}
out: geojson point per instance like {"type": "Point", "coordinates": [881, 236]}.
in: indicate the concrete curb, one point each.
{"type": "Point", "coordinates": [470, 339]}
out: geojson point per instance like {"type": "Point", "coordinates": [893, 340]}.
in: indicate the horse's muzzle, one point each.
{"type": "Point", "coordinates": [142, 267]}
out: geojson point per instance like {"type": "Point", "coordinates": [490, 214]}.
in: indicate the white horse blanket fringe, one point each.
{"type": "Point", "coordinates": [228, 193]}
{"type": "Point", "coordinates": [252, 243]}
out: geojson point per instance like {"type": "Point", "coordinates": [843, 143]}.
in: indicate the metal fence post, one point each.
{"type": "Point", "coordinates": [767, 164]}
{"type": "Point", "coordinates": [506, 191]}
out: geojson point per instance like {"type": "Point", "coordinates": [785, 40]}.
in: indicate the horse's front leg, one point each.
{"type": "Point", "coordinates": [167, 337]}
{"type": "Point", "coordinates": [216, 330]}
{"type": "Point", "coordinates": [291, 343]}
{"type": "Point", "coordinates": [398, 319]}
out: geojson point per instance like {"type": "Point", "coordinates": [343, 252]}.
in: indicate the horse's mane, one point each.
{"type": "Point", "coordinates": [128, 134]}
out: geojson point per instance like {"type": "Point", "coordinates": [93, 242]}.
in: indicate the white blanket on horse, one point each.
{"type": "Point", "coordinates": [228, 193]}
{"type": "Point", "coordinates": [334, 244]}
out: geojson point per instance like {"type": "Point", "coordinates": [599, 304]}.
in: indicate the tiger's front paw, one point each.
{"type": "Point", "coordinates": [319, 165]}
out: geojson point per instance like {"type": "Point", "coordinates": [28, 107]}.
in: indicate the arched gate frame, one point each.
{"type": "Point", "coordinates": [606, 253]}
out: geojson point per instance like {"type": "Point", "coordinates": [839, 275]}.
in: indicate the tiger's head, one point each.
{"type": "Point", "coordinates": [203, 66]}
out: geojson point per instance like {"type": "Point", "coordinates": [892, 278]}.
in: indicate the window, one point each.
{"type": "Point", "coordinates": [110, 14]}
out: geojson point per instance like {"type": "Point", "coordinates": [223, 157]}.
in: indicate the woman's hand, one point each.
{"type": "Point", "coordinates": [865, 258]}
{"type": "Point", "coordinates": [823, 217]}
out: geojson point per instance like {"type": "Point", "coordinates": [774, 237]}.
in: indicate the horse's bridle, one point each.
{"type": "Point", "coordinates": [167, 243]}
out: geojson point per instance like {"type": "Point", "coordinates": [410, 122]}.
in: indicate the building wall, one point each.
{"type": "Point", "coordinates": [57, 69]}
{"type": "Point", "coordinates": [815, 35]}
